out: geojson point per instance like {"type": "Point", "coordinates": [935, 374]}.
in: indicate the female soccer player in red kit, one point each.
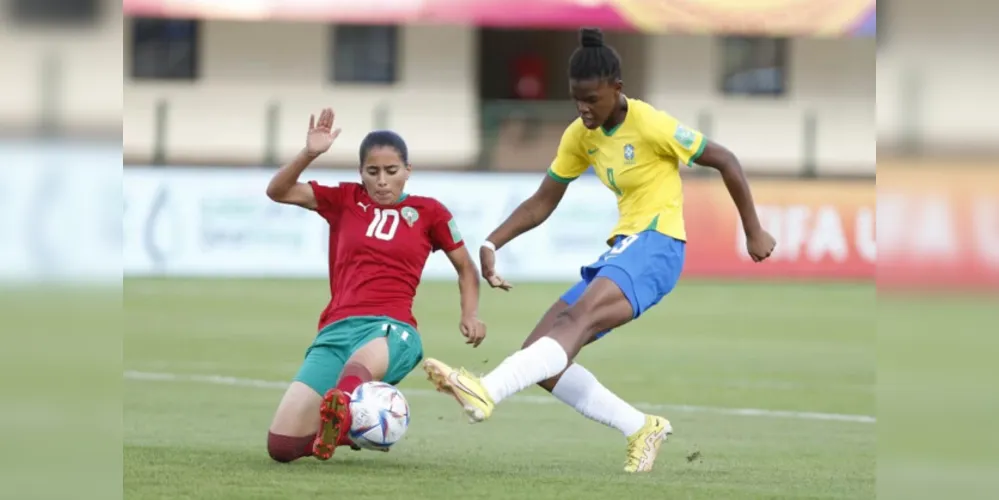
{"type": "Point", "coordinates": [380, 239]}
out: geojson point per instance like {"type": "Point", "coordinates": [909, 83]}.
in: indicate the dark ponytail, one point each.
{"type": "Point", "coordinates": [592, 59]}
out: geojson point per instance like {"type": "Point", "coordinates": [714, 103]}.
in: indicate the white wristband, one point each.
{"type": "Point", "coordinates": [488, 244]}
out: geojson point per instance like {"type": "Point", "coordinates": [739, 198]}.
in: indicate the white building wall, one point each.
{"type": "Point", "coordinates": [246, 66]}
{"type": "Point", "coordinates": [88, 91]}
{"type": "Point", "coordinates": [832, 78]}
{"type": "Point", "coordinates": [937, 73]}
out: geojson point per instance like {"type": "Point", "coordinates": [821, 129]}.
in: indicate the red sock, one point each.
{"type": "Point", "coordinates": [353, 375]}
{"type": "Point", "coordinates": [289, 448]}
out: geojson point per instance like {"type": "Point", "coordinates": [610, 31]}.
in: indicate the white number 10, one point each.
{"type": "Point", "coordinates": [384, 224]}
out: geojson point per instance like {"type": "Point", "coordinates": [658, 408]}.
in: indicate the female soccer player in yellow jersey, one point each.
{"type": "Point", "coordinates": [635, 150]}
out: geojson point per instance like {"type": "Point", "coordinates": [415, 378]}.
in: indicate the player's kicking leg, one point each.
{"type": "Point", "coordinates": [602, 306]}
{"type": "Point", "coordinates": [463, 387]}
{"type": "Point", "coordinates": [576, 387]}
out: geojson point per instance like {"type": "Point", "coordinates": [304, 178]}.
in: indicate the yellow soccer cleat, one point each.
{"type": "Point", "coordinates": [643, 446]}
{"type": "Point", "coordinates": [463, 386]}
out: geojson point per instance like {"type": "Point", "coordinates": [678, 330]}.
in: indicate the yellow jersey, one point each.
{"type": "Point", "coordinates": [639, 161]}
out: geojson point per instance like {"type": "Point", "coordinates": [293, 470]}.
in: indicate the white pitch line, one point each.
{"type": "Point", "coordinates": [739, 412]}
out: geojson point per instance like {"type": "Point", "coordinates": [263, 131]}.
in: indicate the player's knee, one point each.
{"type": "Point", "coordinates": [570, 316]}
{"type": "Point", "coordinates": [549, 385]}
{"type": "Point", "coordinates": [581, 322]}
{"type": "Point", "coordinates": [532, 339]}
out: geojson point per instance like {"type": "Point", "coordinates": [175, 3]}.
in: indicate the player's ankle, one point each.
{"type": "Point", "coordinates": [353, 375]}
{"type": "Point", "coordinates": [343, 439]}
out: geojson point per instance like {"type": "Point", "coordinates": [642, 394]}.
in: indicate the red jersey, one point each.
{"type": "Point", "coordinates": [377, 252]}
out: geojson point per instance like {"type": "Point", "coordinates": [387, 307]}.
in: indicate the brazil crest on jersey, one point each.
{"type": "Point", "coordinates": [639, 161]}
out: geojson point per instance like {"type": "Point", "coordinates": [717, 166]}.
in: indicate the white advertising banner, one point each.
{"type": "Point", "coordinates": [59, 208]}
{"type": "Point", "coordinates": [219, 222]}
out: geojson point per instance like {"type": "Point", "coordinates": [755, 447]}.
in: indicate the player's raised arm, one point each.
{"type": "Point", "coordinates": [285, 186]}
{"type": "Point", "coordinates": [760, 244]}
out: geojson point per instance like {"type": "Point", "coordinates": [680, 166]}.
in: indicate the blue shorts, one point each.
{"type": "Point", "coordinates": [645, 266]}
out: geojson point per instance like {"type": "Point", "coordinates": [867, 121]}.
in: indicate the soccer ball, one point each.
{"type": "Point", "coordinates": [379, 416]}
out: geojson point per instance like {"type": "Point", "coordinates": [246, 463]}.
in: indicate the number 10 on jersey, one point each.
{"type": "Point", "coordinates": [384, 225]}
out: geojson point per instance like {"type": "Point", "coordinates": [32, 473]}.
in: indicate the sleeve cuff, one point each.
{"type": "Point", "coordinates": [559, 178]}
{"type": "Point", "coordinates": [697, 154]}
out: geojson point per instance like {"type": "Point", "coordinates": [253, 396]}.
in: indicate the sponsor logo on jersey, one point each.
{"type": "Point", "coordinates": [363, 206]}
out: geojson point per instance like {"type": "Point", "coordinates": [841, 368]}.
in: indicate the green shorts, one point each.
{"type": "Point", "coordinates": [337, 342]}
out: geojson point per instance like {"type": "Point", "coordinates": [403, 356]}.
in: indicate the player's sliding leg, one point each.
{"type": "Point", "coordinates": [370, 362]}
{"type": "Point", "coordinates": [293, 428]}
{"type": "Point", "coordinates": [376, 348]}
{"type": "Point", "coordinates": [297, 421]}
{"type": "Point", "coordinates": [334, 412]}
{"type": "Point", "coordinates": [292, 434]}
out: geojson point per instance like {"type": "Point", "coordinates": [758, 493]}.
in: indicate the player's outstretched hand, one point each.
{"type": "Point", "coordinates": [487, 259]}
{"type": "Point", "coordinates": [473, 329]}
{"type": "Point", "coordinates": [321, 134]}
{"type": "Point", "coordinates": [760, 245]}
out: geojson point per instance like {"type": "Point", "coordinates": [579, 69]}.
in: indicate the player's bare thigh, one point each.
{"type": "Point", "coordinates": [602, 306]}
{"type": "Point", "coordinates": [374, 356]}
{"type": "Point", "coordinates": [543, 327]}
{"type": "Point", "coordinates": [298, 412]}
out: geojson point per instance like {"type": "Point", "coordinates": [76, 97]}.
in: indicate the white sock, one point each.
{"type": "Point", "coordinates": [579, 389]}
{"type": "Point", "coordinates": [539, 361]}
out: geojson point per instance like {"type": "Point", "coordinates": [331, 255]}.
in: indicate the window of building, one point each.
{"type": "Point", "coordinates": [164, 49]}
{"type": "Point", "coordinates": [754, 66]}
{"type": "Point", "coordinates": [365, 54]}
{"type": "Point", "coordinates": [54, 12]}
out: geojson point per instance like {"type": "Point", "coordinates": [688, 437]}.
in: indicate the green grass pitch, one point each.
{"type": "Point", "coordinates": [770, 389]}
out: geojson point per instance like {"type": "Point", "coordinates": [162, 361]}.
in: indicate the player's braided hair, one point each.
{"type": "Point", "coordinates": [383, 138]}
{"type": "Point", "coordinates": [593, 59]}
